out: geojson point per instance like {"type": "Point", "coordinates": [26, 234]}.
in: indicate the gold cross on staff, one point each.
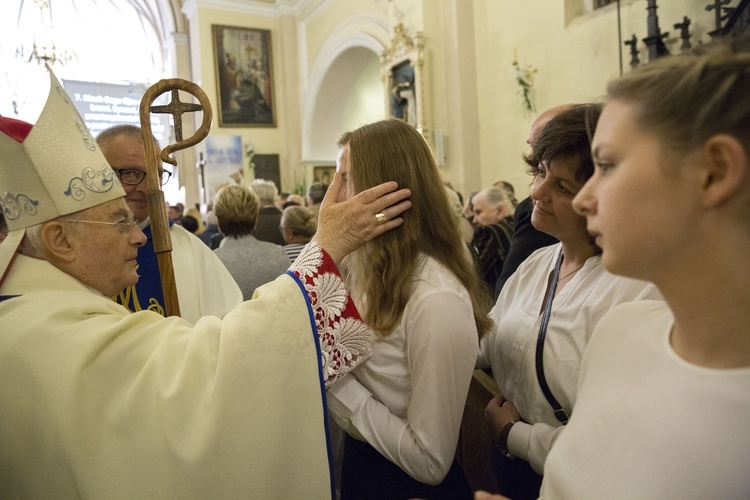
{"type": "Point", "coordinates": [176, 108]}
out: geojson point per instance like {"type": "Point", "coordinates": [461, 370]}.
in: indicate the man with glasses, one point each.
{"type": "Point", "coordinates": [204, 286]}
{"type": "Point", "coordinates": [100, 402]}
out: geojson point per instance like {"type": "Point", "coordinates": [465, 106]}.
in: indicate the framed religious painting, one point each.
{"type": "Point", "coordinates": [402, 67]}
{"type": "Point", "coordinates": [244, 76]}
{"type": "Point", "coordinates": [324, 174]}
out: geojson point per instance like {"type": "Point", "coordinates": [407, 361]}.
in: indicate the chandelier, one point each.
{"type": "Point", "coordinates": [43, 47]}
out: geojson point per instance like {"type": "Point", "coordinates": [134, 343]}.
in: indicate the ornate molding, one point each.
{"type": "Point", "coordinates": [403, 52]}
{"type": "Point", "coordinates": [401, 44]}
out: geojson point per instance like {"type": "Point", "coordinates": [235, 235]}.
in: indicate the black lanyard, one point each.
{"type": "Point", "coordinates": [560, 414]}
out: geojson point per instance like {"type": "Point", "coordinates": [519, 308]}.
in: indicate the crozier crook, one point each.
{"type": "Point", "coordinates": [155, 195]}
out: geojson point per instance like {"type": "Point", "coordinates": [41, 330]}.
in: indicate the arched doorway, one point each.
{"type": "Point", "coordinates": [345, 92]}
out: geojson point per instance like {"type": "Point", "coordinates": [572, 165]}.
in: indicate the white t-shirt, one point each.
{"type": "Point", "coordinates": [647, 423]}
{"type": "Point", "coordinates": [407, 400]}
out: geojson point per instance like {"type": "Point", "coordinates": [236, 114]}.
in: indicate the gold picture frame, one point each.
{"type": "Point", "coordinates": [402, 69]}
{"type": "Point", "coordinates": [244, 76]}
{"type": "Point", "coordinates": [324, 174]}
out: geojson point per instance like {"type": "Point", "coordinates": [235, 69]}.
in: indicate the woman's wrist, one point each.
{"type": "Point", "coordinates": [502, 440]}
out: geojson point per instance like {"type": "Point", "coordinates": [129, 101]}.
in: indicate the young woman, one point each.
{"type": "Point", "coordinates": [664, 392]}
{"type": "Point", "coordinates": [421, 294]}
{"type": "Point", "coordinates": [547, 310]}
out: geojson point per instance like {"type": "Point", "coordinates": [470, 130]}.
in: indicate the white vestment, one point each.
{"type": "Point", "coordinates": [98, 402]}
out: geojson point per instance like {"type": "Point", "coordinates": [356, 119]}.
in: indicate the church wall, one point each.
{"type": "Point", "coordinates": [451, 91]}
{"type": "Point", "coordinates": [575, 53]}
{"type": "Point", "coordinates": [336, 18]}
{"type": "Point", "coordinates": [450, 95]}
{"type": "Point", "coordinates": [282, 139]}
{"type": "Point", "coordinates": [340, 43]}
{"type": "Point", "coordinates": [349, 95]}
{"type": "Point", "coordinates": [364, 103]}
{"type": "Point", "coordinates": [474, 111]}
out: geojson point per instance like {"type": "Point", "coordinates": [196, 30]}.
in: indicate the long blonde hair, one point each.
{"type": "Point", "coordinates": [383, 269]}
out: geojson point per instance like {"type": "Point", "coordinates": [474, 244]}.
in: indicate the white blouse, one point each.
{"type": "Point", "coordinates": [510, 347]}
{"type": "Point", "coordinates": [407, 400]}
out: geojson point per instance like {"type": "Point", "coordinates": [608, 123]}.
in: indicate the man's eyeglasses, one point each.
{"type": "Point", "coordinates": [133, 177]}
{"type": "Point", "coordinates": [124, 226]}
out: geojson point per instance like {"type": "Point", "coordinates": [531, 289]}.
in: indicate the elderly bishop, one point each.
{"type": "Point", "coordinates": [100, 402]}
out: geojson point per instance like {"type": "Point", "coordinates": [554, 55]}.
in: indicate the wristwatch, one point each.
{"type": "Point", "coordinates": [502, 441]}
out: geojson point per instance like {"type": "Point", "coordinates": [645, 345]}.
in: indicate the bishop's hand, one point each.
{"type": "Point", "coordinates": [344, 226]}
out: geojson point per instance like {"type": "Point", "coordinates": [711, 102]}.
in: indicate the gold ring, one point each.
{"type": "Point", "coordinates": [381, 218]}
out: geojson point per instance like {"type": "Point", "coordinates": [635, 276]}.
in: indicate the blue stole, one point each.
{"type": "Point", "coordinates": [147, 293]}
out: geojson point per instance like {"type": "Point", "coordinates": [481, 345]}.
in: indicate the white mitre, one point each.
{"type": "Point", "coordinates": [57, 169]}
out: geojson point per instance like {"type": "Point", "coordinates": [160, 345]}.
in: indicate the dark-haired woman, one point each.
{"type": "Point", "coordinates": [547, 310]}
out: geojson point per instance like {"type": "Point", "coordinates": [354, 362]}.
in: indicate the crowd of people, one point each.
{"type": "Point", "coordinates": [326, 344]}
{"type": "Point", "coordinates": [255, 231]}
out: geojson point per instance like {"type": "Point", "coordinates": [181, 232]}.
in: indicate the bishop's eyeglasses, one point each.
{"type": "Point", "coordinates": [124, 226]}
{"type": "Point", "coordinates": [133, 177]}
